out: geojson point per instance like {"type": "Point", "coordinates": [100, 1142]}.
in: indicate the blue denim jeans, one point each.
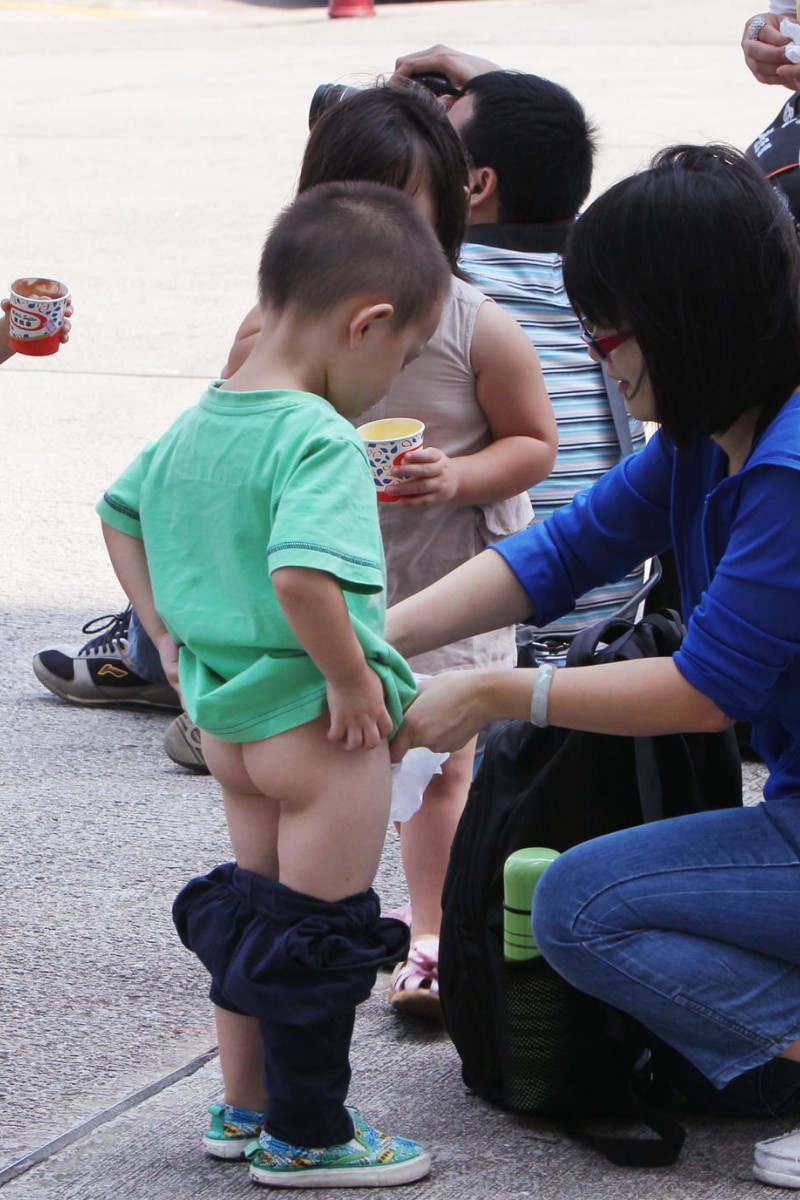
{"type": "Point", "coordinates": [142, 654]}
{"type": "Point", "coordinates": [692, 925]}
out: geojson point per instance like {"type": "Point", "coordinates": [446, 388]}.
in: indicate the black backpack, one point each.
{"type": "Point", "coordinates": [528, 1040]}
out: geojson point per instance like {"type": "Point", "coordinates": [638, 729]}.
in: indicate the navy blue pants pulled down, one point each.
{"type": "Point", "coordinates": [300, 966]}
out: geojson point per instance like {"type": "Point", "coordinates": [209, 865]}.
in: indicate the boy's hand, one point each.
{"type": "Point", "coordinates": [168, 653]}
{"type": "Point", "coordinates": [432, 478]}
{"type": "Point", "coordinates": [358, 713]}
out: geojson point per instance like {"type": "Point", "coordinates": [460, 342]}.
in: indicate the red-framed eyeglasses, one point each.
{"type": "Point", "coordinates": [604, 345]}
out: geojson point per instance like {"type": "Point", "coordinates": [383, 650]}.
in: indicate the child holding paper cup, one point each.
{"type": "Point", "coordinates": [490, 434]}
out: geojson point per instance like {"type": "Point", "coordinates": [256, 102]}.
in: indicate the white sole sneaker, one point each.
{"type": "Point", "coordinates": [391, 1175]}
{"type": "Point", "coordinates": [777, 1161]}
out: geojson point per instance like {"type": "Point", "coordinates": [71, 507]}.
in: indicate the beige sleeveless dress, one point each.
{"type": "Point", "coordinates": [423, 544]}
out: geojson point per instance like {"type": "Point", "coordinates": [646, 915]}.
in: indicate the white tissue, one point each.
{"type": "Point", "coordinates": [410, 778]}
{"type": "Point", "coordinates": [791, 29]}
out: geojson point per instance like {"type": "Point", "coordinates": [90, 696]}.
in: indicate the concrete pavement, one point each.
{"type": "Point", "coordinates": [145, 147]}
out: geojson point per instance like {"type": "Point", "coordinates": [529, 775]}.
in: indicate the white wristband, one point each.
{"type": "Point", "coordinates": [541, 694]}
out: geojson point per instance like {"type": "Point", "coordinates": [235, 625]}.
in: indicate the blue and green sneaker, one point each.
{"type": "Point", "coordinates": [230, 1130]}
{"type": "Point", "coordinates": [369, 1159]}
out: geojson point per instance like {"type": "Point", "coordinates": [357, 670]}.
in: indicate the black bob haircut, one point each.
{"type": "Point", "coordinates": [341, 240]}
{"type": "Point", "coordinates": [398, 134]}
{"type": "Point", "coordinates": [699, 257]}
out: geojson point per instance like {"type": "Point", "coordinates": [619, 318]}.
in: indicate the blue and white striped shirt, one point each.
{"type": "Point", "coordinates": [529, 284]}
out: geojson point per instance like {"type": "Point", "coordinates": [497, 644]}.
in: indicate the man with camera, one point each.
{"type": "Point", "coordinates": [531, 149]}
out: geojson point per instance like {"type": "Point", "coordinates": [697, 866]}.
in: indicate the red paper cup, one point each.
{"type": "Point", "coordinates": [387, 442]}
{"type": "Point", "coordinates": [38, 307]}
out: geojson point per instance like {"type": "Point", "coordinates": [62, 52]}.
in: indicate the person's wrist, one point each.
{"type": "Point", "coordinates": [348, 675]}
{"type": "Point", "coordinates": [492, 696]}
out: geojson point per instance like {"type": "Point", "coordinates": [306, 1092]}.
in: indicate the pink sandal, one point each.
{"type": "Point", "coordinates": [415, 982]}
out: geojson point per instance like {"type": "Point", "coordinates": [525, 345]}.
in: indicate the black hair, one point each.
{"type": "Point", "coordinates": [700, 259]}
{"type": "Point", "coordinates": [538, 140]}
{"type": "Point", "coordinates": [346, 239]}
{"type": "Point", "coordinates": [396, 134]}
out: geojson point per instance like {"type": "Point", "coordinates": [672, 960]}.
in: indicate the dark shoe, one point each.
{"type": "Point", "coordinates": [98, 672]}
{"type": "Point", "coordinates": [182, 745]}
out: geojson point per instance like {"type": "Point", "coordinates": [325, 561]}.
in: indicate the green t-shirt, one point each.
{"type": "Point", "coordinates": [241, 484]}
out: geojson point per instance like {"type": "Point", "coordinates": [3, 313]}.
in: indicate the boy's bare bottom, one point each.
{"type": "Point", "coordinates": [305, 812]}
{"type": "Point", "coordinates": [302, 810]}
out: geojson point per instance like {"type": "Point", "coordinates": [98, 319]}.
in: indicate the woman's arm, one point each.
{"type": "Point", "coordinates": [644, 697]}
{"type": "Point", "coordinates": [510, 390]}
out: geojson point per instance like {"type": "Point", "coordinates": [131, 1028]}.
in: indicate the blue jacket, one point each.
{"type": "Point", "coordinates": [737, 548]}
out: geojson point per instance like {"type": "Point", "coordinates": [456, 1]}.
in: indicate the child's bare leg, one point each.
{"type": "Point", "coordinates": [425, 840]}
{"type": "Point", "coordinates": [254, 820]}
{"type": "Point", "coordinates": [241, 1059]}
{"type": "Point", "coordinates": [253, 816]}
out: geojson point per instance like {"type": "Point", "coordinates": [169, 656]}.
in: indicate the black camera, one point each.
{"type": "Point", "coordinates": [329, 94]}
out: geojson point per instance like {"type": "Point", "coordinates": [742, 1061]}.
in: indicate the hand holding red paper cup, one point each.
{"type": "Point", "coordinates": [387, 442]}
{"type": "Point", "coordinates": [38, 309]}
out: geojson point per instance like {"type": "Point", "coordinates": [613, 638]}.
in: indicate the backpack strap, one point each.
{"type": "Point", "coordinates": [657, 634]}
{"type": "Point", "coordinates": [646, 1081]}
{"type": "Point", "coordinates": [661, 1151]}
{"type": "Point", "coordinates": [584, 646]}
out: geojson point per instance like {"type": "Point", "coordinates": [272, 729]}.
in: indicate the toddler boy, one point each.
{"type": "Point", "coordinates": [248, 537]}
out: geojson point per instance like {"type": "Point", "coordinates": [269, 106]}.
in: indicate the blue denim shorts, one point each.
{"type": "Point", "coordinates": [693, 926]}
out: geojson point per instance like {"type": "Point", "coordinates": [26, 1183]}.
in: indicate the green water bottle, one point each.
{"type": "Point", "coordinates": [522, 872]}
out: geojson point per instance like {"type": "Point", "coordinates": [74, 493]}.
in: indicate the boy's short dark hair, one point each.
{"type": "Point", "coordinates": [700, 258]}
{"type": "Point", "coordinates": [536, 137]}
{"type": "Point", "coordinates": [346, 239]}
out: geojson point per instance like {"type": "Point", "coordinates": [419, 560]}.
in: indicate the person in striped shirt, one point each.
{"type": "Point", "coordinates": [532, 150]}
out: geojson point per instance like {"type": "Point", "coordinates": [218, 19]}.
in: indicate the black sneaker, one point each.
{"type": "Point", "coordinates": [98, 672]}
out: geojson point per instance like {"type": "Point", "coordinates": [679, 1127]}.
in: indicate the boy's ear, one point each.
{"type": "Point", "coordinates": [365, 316]}
{"type": "Point", "coordinates": [482, 186]}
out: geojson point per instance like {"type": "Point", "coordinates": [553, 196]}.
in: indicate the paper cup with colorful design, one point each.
{"type": "Point", "coordinates": [387, 442]}
{"type": "Point", "coordinates": [38, 307]}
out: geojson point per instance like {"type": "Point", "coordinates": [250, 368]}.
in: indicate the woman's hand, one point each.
{"type": "Point", "coordinates": [447, 711]}
{"type": "Point", "coordinates": [430, 478]}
